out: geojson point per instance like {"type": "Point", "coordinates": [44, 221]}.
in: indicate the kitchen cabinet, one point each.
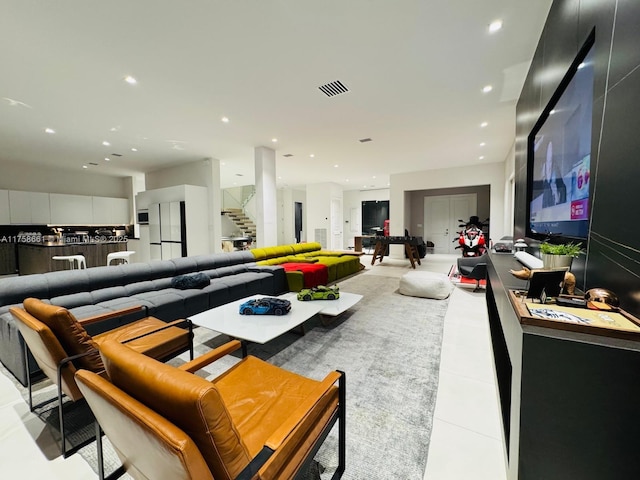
{"type": "Point", "coordinates": [110, 211]}
{"type": "Point", "coordinates": [5, 218]}
{"type": "Point", "coordinates": [71, 209]}
{"type": "Point", "coordinates": [29, 207]}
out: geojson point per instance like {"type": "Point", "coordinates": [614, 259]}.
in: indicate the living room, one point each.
{"type": "Point", "coordinates": [612, 257]}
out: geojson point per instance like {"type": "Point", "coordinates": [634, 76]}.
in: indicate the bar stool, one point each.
{"type": "Point", "coordinates": [115, 256]}
{"type": "Point", "coordinates": [75, 261]}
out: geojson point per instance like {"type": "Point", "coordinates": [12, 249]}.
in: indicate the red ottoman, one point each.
{"type": "Point", "coordinates": [314, 274]}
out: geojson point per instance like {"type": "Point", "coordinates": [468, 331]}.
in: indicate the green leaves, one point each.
{"type": "Point", "coordinates": [571, 249]}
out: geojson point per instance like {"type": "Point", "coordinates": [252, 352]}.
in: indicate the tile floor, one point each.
{"type": "Point", "coordinates": [466, 441]}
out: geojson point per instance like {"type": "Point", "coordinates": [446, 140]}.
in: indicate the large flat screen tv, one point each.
{"type": "Point", "coordinates": [559, 157]}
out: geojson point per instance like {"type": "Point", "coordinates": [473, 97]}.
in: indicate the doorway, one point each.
{"type": "Point", "coordinates": [442, 215]}
{"type": "Point", "coordinates": [297, 214]}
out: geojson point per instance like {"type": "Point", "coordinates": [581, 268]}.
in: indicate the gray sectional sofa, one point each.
{"type": "Point", "coordinates": [94, 291]}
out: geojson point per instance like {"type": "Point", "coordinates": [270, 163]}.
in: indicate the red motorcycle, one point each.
{"type": "Point", "coordinates": [471, 238]}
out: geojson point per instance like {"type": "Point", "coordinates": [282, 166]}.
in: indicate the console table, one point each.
{"type": "Point", "coordinates": [569, 400]}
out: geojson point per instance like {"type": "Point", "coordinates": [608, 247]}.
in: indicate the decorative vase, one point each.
{"type": "Point", "coordinates": [550, 261]}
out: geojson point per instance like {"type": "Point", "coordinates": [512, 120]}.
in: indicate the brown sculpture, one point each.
{"type": "Point", "coordinates": [569, 279]}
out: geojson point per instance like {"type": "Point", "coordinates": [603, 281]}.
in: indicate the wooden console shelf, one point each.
{"type": "Point", "coordinates": [615, 324]}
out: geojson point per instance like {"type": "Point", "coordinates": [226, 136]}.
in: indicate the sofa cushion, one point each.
{"type": "Point", "coordinates": [193, 280]}
{"type": "Point", "coordinates": [72, 300]}
{"type": "Point", "coordinates": [15, 289]}
{"type": "Point", "coordinates": [109, 293]}
{"type": "Point", "coordinates": [71, 335]}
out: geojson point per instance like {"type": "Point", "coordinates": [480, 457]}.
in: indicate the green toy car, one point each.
{"type": "Point", "coordinates": [319, 293]}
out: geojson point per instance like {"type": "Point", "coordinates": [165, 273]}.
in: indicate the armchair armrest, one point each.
{"type": "Point", "coordinates": [114, 314]}
{"type": "Point", "coordinates": [210, 357]}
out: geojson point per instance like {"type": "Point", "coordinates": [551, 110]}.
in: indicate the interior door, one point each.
{"type": "Point", "coordinates": [336, 224]}
{"type": "Point", "coordinates": [442, 215]}
{"type": "Point", "coordinates": [437, 222]}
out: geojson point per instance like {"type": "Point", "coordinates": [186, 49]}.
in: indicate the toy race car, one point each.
{"type": "Point", "coordinates": [265, 306]}
{"type": "Point", "coordinates": [319, 293]}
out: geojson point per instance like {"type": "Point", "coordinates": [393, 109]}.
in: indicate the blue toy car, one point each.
{"type": "Point", "coordinates": [265, 306]}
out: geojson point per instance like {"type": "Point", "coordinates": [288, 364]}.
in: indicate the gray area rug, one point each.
{"type": "Point", "coordinates": [389, 347]}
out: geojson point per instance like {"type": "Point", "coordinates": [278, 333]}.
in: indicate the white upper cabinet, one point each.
{"type": "Point", "coordinates": [71, 209]}
{"type": "Point", "coordinates": [5, 217]}
{"type": "Point", "coordinates": [110, 211]}
{"type": "Point", "coordinates": [29, 207]}
{"type": "Point", "coordinates": [40, 208]}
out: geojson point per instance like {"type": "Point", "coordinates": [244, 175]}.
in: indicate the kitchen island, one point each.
{"type": "Point", "coordinates": [37, 257]}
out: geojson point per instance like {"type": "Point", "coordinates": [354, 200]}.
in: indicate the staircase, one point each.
{"type": "Point", "coordinates": [244, 223]}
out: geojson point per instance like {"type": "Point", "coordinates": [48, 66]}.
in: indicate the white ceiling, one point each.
{"type": "Point", "coordinates": [415, 70]}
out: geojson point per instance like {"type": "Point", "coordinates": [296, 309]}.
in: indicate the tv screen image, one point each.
{"type": "Point", "coordinates": [559, 157]}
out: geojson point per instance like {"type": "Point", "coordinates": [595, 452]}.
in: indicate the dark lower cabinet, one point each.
{"type": "Point", "coordinates": [569, 400]}
{"type": "Point", "coordinates": [37, 258]}
{"type": "Point", "coordinates": [8, 263]}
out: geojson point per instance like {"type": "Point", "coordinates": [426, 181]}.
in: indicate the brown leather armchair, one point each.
{"type": "Point", "coordinates": [254, 421]}
{"type": "Point", "coordinates": [60, 344]}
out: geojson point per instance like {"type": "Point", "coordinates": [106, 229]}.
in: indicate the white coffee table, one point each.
{"type": "Point", "coordinates": [226, 319]}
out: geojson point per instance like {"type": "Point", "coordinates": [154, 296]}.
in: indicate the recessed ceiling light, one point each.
{"type": "Point", "coordinates": [222, 164]}
{"type": "Point", "coordinates": [495, 26]}
{"type": "Point", "coordinates": [107, 159]}
{"type": "Point", "coordinates": [483, 124]}
{"type": "Point", "coordinates": [225, 119]}
{"type": "Point", "coordinates": [481, 157]}
{"type": "Point", "coordinates": [482, 144]}
{"type": "Point", "coordinates": [487, 89]}
{"type": "Point", "coordinates": [335, 166]}
{"type": "Point", "coordinates": [346, 179]}
{"type": "Point", "coordinates": [115, 129]}
{"type": "Point", "coordinates": [130, 80]}
{"type": "Point", "coordinates": [274, 140]}
{"type": "Point", "coordinates": [373, 176]}
{"type": "Point", "coordinates": [84, 166]}
{"type": "Point", "coordinates": [312, 155]}
{"type": "Point", "coordinates": [49, 130]}
{"type": "Point", "coordinates": [134, 149]}
{"type": "Point", "coordinates": [105, 143]}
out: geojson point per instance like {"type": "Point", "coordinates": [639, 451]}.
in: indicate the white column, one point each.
{"type": "Point", "coordinates": [214, 196]}
{"type": "Point", "coordinates": [266, 197]}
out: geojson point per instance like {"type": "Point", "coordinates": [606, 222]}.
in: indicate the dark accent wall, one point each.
{"type": "Point", "coordinates": [613, 256]}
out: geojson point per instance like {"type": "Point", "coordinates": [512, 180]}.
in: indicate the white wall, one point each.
{"type": "Point", "coordinates": [31, 178]}
{"type": "Point", "coordinates": [489, 174]}
{"type": "Point", "coordinates": [317, 215]}
{"type": "Point", "coordinates": [352, 207]}
{"type": "Point", "coordinates": [201, 173]}
{"type": "Point", "coordinates": [287, 198]}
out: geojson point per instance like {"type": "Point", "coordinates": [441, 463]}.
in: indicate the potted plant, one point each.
{"type": "Point", "coordinates": [560, 255]}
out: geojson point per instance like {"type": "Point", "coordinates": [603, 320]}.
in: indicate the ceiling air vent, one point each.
{"type": "Point", "coordinates": [288, 155]}
{"type": "Point", "coordinates": [334, 88]}
{"type": "Point", "coordinates": [364, 140]}
{"type": "Point", "coordinates": [116, 154]}
{"type": "Point", "coordinates": [92, 163]}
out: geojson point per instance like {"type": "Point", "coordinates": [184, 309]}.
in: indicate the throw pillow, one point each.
{"type": "Point", "coordinates": [194, 280]}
